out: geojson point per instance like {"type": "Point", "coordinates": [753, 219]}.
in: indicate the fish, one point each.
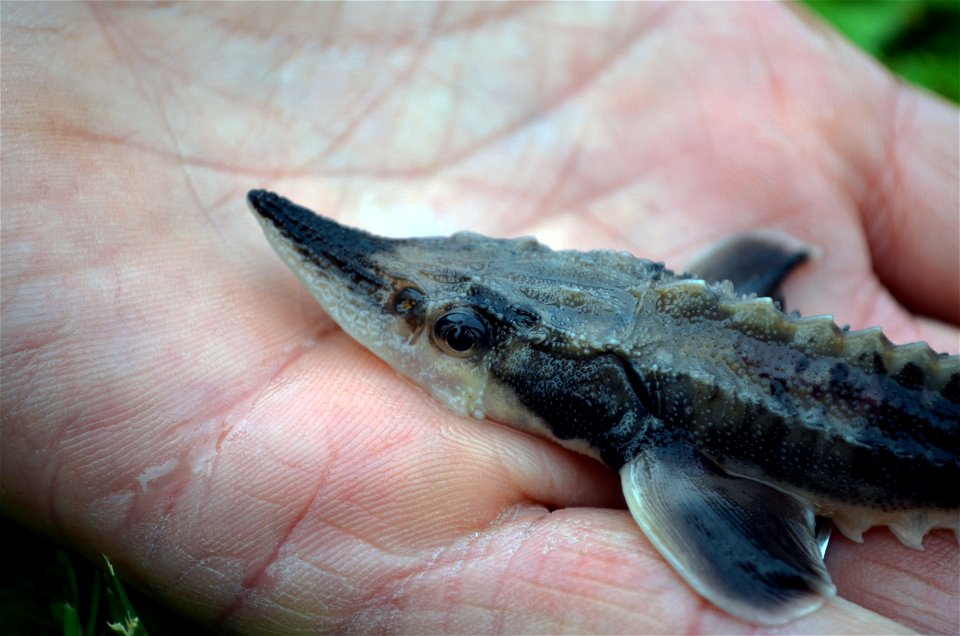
{"type": "Point", "coordinates": [735, 427]}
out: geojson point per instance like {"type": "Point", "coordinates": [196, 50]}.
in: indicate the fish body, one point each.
{"type": "Point", "coordinates": [732, 424]}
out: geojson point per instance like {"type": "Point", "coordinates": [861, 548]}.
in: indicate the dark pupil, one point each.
{"type": "Point", "coordinates": [461, 338]}
{"type": "Point", "coordinates": [460, 330]}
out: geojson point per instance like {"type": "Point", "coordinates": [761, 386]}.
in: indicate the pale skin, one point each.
{"type": "Point", "coordinates": [174, 399]}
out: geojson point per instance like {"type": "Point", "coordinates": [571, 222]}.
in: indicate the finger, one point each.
{"type": "Point", "coordinates": [911, 202]}
{"type": "Point", "coordinates": [917, 588]}
{"type": "Point", "coordinates": [573, 572]}
{"type": "Point", "coordinates": [429, 475]}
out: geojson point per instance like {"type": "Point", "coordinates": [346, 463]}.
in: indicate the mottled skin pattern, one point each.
{"type": "Point", "coordinates": [844, 417]}
{"type": "Point", "coordinates": [611, 349]}
{"type": "Point", "coordinates": [683, 386]}
{"type": "Point", "coordinates": [796, 401]}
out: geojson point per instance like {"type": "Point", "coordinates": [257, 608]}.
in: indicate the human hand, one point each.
{"type": "Point", "coordinates": [172, 397]}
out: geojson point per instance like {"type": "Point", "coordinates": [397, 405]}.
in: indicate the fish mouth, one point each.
{"type": "Point", "coordinates": [332, 248]}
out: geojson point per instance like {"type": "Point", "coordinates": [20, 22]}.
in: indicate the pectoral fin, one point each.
{"type": "Point", "coordinates": [755, 263]}
{"type": "Point", "coordinates": [744, 546]}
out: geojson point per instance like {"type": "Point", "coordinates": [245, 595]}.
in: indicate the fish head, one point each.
{"type": "Point", "coordinates": [445, 311]}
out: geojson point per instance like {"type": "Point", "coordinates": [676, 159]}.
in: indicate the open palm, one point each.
{"type": "Point", "coordinates": [173, 398]}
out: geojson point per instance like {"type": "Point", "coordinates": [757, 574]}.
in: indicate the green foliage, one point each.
{"type": "Point", "coordinates": [46, 590]}
{"type": "Point", "coordinates": [129, 625]}
{"type": "Point", "coordinates": [56, 592]}
{"type": "Point", "coordinates": [916, 39]}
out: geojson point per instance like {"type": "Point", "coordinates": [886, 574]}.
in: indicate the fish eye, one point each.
{"type": "Point", "coordinates": [461, 332]}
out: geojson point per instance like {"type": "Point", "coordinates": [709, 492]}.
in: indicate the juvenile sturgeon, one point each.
{"type": "Point", "coordinates": [731, 423]}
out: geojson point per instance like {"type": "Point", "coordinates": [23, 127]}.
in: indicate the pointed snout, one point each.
{"type": "Point", "coordinates": [322, 241]}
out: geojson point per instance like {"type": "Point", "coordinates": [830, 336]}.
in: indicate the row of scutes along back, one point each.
{"type": "Point", "coordinates": [913, 365]}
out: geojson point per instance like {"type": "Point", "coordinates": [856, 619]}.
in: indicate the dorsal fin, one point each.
{"type": "Point", "coordinates": [756, 263]}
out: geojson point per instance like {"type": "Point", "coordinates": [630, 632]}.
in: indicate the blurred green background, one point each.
{"type": "Point", "coordinates": [46, 590]}
{"type": "Point", "coordinates": [916, 39]}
